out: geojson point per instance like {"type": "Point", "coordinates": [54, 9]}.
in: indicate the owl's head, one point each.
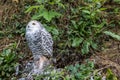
{"type": "Point", "coordinates": [34, 26]}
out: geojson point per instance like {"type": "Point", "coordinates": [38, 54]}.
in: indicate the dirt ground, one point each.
{"type": "Point", "coordinates": [109, 57]}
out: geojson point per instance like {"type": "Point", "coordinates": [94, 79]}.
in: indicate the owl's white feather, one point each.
{"type": "Point", "coordinates": [39, 39]}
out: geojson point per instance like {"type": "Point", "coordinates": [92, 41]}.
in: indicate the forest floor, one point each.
{"type": "Point", "coordinates": [109, 57]}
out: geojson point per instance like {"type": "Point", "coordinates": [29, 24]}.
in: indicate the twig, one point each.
{"type": "Point", "coordinates": [18, 44]}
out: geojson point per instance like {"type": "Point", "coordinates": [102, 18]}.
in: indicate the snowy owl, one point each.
{"type": "Point", "coordinates": [40, 43]}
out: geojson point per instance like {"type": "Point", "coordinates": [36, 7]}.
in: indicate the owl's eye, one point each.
{"type": "Point", "coordinates": [33, 24]}
{"type": "Point", "coordinates": [28, 26]}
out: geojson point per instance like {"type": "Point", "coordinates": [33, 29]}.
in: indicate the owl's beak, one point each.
{"type": "Point", "coordinates": [28, 26]}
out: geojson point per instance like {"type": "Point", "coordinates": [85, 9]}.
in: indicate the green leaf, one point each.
{"type": "Point", "coordinates": [76, 42]}
{"type": "Point", "coordinates": [62, 5]}
{"type": "Point", "coordinates": [74, 24]}
{"type": "Point", "coordinates": [36, 17]}
{"type": "Point", "coordinates": [113, 35]}
{"type": "Point", "coordinates": [93, 44]}
{"type": "Point", "coordinates": [55, 31]}
{"type": "Point", "coordinates": [99, 25]}
{"type": "Point", "coordinates": [86, 11]}
{"type": "Point", "coordinates": [102, 9]}
{"type": "Point", "coordinates": [31, 8]}
{"type": "Point", "coordinates": [85, 48]}
{"type": "Point", "coordinates": [48, 15]}
{"type": "Point", "coordinates": [110, 75]}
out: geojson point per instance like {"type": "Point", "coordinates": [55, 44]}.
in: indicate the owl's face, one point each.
{"type": "Point", "coordinates": [33, 26]}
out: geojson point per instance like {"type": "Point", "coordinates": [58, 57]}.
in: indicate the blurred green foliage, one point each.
{"type": "Point", "coordinates": [74, 24]}
{"type": "Point", "coordinates": [72, 72]}
{"type": "Point", "coordinates": [113, 35]}
{"type": "Point", "coordinates": [45, 9]}
{"type": "Point", "coordinates": [84, 71]}
{"type": "Point", "coordinates": [8, 64]}
{"type": "Point", "coordinates": [85, 21]}
{"type": "Point", "coordinates": [110, 75]}
{"type": "Point", "coordinates": [80, 72]}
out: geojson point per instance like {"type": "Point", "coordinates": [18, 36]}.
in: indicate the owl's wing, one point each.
{"type": "Point", "coordinates": [30, 42]}
{"type": "Point", "coordinates": [47, 43]}
{"type": "Point", "coordinates": [28, 38]}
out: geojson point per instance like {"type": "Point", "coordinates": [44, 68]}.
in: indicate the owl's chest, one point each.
{"type": "Point", "coordinates": [34, 38]}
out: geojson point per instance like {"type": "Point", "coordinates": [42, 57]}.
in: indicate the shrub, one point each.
{"type": "Point", "coordinates": [84, 71]}
{"type": "Point", "coordinates": [80, 72]}
{"type": "Point", "coordinates": [84, 21]}
{"type": "Point", "coordinates": [8, 63]}
{"type": "Point", "coordinates": [72, 72]}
